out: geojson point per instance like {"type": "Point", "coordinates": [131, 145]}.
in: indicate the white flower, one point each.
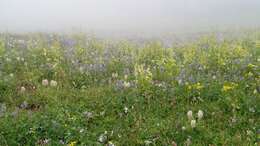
{"type": "Point", "coordinates": [126, 76]}
{"type": "Point", "coordinates": [45, 82]}
{"type": "Point", "coordinates": [180, 82]}
{"type": "Point", "coordinates": [23, 89]}
{"type": "Point", "coordinates": [148, 142]}
{"type": "Point", "coordinates": [233, 120]}
{"type": "Point", "coordinates": [62, 142]}
{"type": "Point", "coordinates": [214, 77]}
{"type": "Point", "coordinates": [53, 83]}
{"type": "Point", "coordinates": [88, 114]}
{"type": "Point", "coordinates": [189, 114]}
{"type": "Point", "coordinates": [24, 105]}
{"type": "Point", "coordinates": [46, 141]}
{"type": "Point", "coordinates": [188, 142]}
{"type": "Point", "coordinates": [81, 69]}
{"type": "Point", "coordinates": [174, 143]}
{"type": "Point", "coordinates": [102, 138]}
{"type": "Point", "coordinates": [11, 75]}
{"type": "Point", "coordinates": [125, 109]}
{"type": "Point", "coordinates": [193, 123]}
{"type": "Point", "coordinates": [110, 144]}
{"type": "Point", "coordinates": [126, 84]}
{"type": "Point", "coordinates": [114, 75]}
{"type": "Point", "coordinates": [251, 109]}
{"type": "Point", "coordinates": [81, 130]}
{"type": "Point", "coordinates": [183, 128]}
{"type": "Point", "coordinates": [200, 114]}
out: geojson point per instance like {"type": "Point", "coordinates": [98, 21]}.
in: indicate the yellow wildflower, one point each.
{"type": "Point", "coordinates": [73, 143]}
{"type": "Point", "coordinates": [198, 86]}
{"type": "Point", "coordinates": [228, 87]}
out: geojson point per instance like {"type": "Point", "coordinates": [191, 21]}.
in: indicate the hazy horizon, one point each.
{"type": "Point", "coordinates": [129, 16]}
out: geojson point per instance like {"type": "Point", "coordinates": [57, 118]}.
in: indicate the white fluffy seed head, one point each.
{"type": "Point", "coordinates": [23, 89]}
{"type": "Point", "coordinates": [183, 128]}
{"type": "Point", "coordinates": [193, 123]}
{"type": "Point", "coordinates": [114, 75]}
{"type": "Point", "coordinates": [11, 75]}
{"type": "Point", "coordinates": [200, 114]}
{"type": "Point", "coordinates": [189, 114]}
{"type": "Point", "coordinates": [53, 83]}
{"type": "Point", "coordinates": [45, 82]}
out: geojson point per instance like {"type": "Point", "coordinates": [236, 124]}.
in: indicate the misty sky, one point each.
{"type": "Point", "coordinates": [126, 15]}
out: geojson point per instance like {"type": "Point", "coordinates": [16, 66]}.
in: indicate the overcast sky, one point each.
{"type": "Point", "coordinates": [126, 15]}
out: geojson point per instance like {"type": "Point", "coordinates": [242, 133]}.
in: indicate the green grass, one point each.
{"type": "Point", "coordinates": [128, 94]}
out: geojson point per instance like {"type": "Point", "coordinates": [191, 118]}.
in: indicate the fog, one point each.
{"type": "Point", "coordinates": [127, 16]}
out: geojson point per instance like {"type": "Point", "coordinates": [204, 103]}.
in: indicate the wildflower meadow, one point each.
{"type": "Point", "coordinates": [79, 90]}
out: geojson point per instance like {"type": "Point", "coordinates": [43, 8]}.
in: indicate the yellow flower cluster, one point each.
{"type": "Point", "coordinates": [228, 87]}
{"type": "Point", "coordinates": [73, 143]}
{"type": "Point", "coordinates": [196, 86]}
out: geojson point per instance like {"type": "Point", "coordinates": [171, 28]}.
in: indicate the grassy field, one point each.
{"type": "Point", "coordinates": [76, 90]}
